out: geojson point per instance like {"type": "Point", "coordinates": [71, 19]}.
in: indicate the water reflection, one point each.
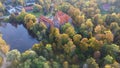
{"type": "Point", "coordinates": [17, 36]}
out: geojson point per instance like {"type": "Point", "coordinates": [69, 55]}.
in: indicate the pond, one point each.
{"type": "Point", "coordinates": [17, 36]}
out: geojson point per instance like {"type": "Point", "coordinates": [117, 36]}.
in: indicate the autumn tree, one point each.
{"type": "Point", "coordinates": [29, 17]}
{"type": "Point", "coordinates": [64, 38]}
{"type": "Point", "coordinates": [109, 36]}
{"type": "Point", "coordinates": [79, 20]}
{"type": "Point", "coordinates": [97, 55]}
{"type": "Point", "coordinates": [91, 63]}
{"type": "Point", "coordinates": [1, 60]}
{"type": "Point", "coordinates": [70, 31]}
{"type": "Point", "coordinates": [77, 38]}
{"type": "Point", "coordinates": [54, 34]}
{"type": "Point", "coordinates": [29, 24]}
{"type": "Point", "coordinates": [84, 44]}
{"type": "Point", "coordinates": [99, 29]}
{"type": "Point", "coordinates": [99, 19]}
{"type": "Point", "coordinates": [95, 44]}
{"type": "Point", "coordinates": [69, 48]}
{"type": "Point", "coordinates": [89, 25]}
{"type": "Point", "coordinates": [30, 20]}
{"type": "Point", "coordinates": [3, 46]}
{"type": "Point", "coordinates": [70, 11]}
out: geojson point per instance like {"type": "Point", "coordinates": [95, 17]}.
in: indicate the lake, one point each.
{"type": "Point", "coordinates": [17, 36]}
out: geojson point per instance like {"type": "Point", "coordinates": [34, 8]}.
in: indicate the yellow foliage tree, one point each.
{"type": "Point", "coordinates": [3, 46]}
{"type": "Point", "coordinates": [29, 17]}
{"type": "Point", "coordinates": [77, 38]}
{"type": "Point", "coordinates": [84, 44]}
{"type": "Point", "coordinates": [109, 36]}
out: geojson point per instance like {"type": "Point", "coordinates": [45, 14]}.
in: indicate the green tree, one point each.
{"type": "Point", "coordinates": [13, 57]}
{"type": "Point", "coordinates": [38, 48]}
{"type": "Point", "coordinates": [46, 65]}
{"type": "Point", "coordinates": [108, 59]}
{"type": "Point", "coordinates": [26, 64]}
{"type": "Point", "coordinates": [114, 27]}
{"type": "Point", "coordinates": [55, 65]}
{"type": "Point", "coordinates": [48, 47]}
{"type": "Point", "coordinates": [65, 27]}
{"type": "Point", "coordinates": [39, 62]}
{"type": "Point", "coordinates": [12, 18]}
{"type": "Point", "coordinates": [91, 63]}
{"type": "Point", "coordinates": [37, 8]}
{"type": "Point", "coordinates": [69, 48]}
{"type": "Point", "coordinates": [29, 54]}
{"type": "Point", "coordinates": [110, 49]}
{"type": "Point", "coordinates": [64, 7]}
{"type": "Point", "coordinates": [20, 17]}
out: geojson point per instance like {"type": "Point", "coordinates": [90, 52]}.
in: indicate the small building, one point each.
{"type": "Point", "coordinates": [61, 18]}
{"type": "Point", "coordinates": [10, 9]}
{"type": "Point", "coordinates": [28, 8]}
{"type": "Point", "coordinates": [58, 20]}
{"type": "Point", "coordinates": [46, 21]}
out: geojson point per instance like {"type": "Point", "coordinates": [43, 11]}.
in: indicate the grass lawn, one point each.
{"type": "Point", "coordinates": [37, 14]}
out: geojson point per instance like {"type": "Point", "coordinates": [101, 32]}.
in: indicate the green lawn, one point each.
{"type": "Point", "coordinates": [36, 14]}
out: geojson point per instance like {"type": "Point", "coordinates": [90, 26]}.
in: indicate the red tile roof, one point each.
{"type": "Point", "coordinates": [46, 20]}
{"type": "Point", "coordinates": [62, 17]}
{"type": "Point", "coordinates": [28, 8]}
